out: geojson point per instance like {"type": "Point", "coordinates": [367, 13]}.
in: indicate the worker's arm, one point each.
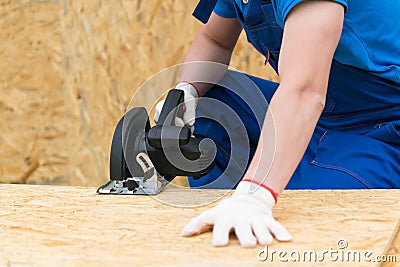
{"type": "Point", "coordinates": [206, 61]}
{"type": "Point", "coordinates": [214, 43]}
{"type": "Point", "coordinates": [311, 35]}
{"type": "Point", "coordinates": [312, 32]}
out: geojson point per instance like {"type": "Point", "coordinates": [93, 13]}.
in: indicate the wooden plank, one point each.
{"type": "Point", "coordinates": [73, 226]}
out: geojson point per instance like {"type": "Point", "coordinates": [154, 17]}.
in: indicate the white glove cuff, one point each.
{"type": "Point", "coordinates": [256, 191]}
{"type": "Point", "coordinates": [188, 88]}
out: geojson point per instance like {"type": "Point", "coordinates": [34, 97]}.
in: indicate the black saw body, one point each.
{"type": "Point", "coordinates": [143, 157]}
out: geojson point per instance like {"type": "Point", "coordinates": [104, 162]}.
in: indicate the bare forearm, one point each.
{"type": "Point", "coordinates": [210, 53]}
{"type": "Point", "coordinates": [299, 100]}
{"type": "Point", "coordinates": [205, 49]}
{"type": "Point", "coordinates": [207, 63]}
{"type": "Point", "coordinates": [286, 132]}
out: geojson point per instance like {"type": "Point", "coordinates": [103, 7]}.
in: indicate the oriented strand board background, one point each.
{"type": "Point", "coordinates": [68, 69]}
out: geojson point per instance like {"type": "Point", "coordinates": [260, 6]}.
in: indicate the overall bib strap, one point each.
{"type": "Point", "coordinates": [204, 9]}
{"type": "Point", "coordinates": [262, 30]}
{"type": "Point", "coordinates": [255, 14]}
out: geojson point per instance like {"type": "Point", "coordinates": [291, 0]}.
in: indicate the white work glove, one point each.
{"type": "Point", "coordinates": [190, 100]}
{"type": "Point", "coordinates": [248, 213]}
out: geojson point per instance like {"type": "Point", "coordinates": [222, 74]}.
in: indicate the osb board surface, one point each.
{"type": "Point", "coordinates": [394, 248]}
{"type": "Point", "coordinates": [68, 70]}
{"type": "Point", "coordinates": [71, 226]}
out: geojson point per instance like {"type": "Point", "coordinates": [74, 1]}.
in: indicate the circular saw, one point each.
{"type": "Point", "coordinates": [144, 159]}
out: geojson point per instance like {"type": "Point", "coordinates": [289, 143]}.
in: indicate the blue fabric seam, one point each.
{"type": "Point", "coordinates": [362, 113]}
{"type": "Point", "coordinates": [347, 171]}
{"type": "Point", "coordinates": [334, 167]}
{"type": "Point", "coordinates": [391, 131]}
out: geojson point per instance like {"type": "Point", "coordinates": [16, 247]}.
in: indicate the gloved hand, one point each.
{"type": "Point", "coordinates": [190, 100]}
{"type": "Point", "coordinates": [248, 213]}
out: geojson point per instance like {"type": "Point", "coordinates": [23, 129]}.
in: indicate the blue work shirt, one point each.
{"type": "Point", "coordinates": [370, 38]}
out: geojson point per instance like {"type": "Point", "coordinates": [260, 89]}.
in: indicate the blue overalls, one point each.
{"type": "Point", "coordinates": [356, 144]}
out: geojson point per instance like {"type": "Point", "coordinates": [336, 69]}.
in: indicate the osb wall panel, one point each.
{"type": "Point", "coordinates": [67, 72]}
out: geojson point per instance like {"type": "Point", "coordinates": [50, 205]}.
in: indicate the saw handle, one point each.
{"type": "Point", "coordinates": [173, 103]}
{"type": "Point", "coordinates": [165, 133]}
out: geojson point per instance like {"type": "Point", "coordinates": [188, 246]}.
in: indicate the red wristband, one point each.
{"type": "Point", "coordinates": [194, 86]}
{"type": "Point", "coordinates": [273, 193]}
